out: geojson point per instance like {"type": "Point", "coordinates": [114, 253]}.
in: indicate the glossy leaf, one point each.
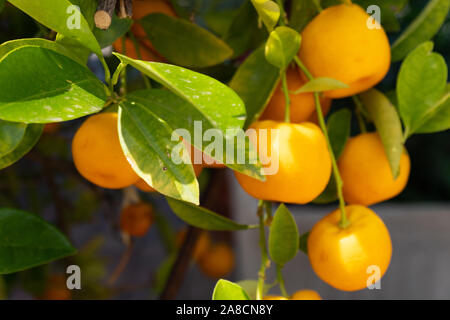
{"type": "Point", "coordinates": [211, 102]}
{"type": "Point", "coordinates": [250, 287]}
{"type": "Point", "coordinates": [421, 84]}
{"type": "Point", "coordinates": [304, 242]}
{"type": "Point", "coordinates": [283, 236]}
{"type": "Point", "coordinates": [227, 290]}
{"type": "Point", "coordinates": [183, 42]}
{"type": "Point", "coordinates": [328, 195]}
{"type": "Point", "coordinates": [282, 46]}
{"type": "Point", "coordinates": [302, 12]}
{"type": "Point", "coordinates": [11, 133]}
{"type": "Point", "coordinates": [423, 28]}
{"type": "Point", "coordinates": [39, 85]}
{"type": "Point", "coordinates": [146, 141]}
{"type": "Point", "coordinates": [203, 218]}
{"type": "Point", "coordinates": [56, 15]}
{"type": "Point", "coordinates": [255, 81]}
{"type": "Point", "coordinates": [30, 138]}
{"type": "Point", "coordinates": [27, 241]}
{"type": "Point", "coordinates": [338, 126]}
{"type": "Point", "coordinates": [9, 46]}
{"type": "Point", "coordinates": [388, 125]}
{"type": "Point", "coordinates": [117, 29]}
{"type": "Point", "coordinates": [268, 11]}
{"type": "Point", "coordinates": [439, 119]}
{"type": "Point", "coordinates": [243, 32]}
{"type": "Point", "coordinates": [321, 85]}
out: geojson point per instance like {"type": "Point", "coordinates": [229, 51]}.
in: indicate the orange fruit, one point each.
{"type": "Point", "coordinates": [302, 105]}
{"type": "Point", "coordinates": [97, 153]}
{"type": "Point", "coordinates": [341, 257]}
{"type": "Point", "coordinates": [300, 152]}
{"type": "Point", "coordinates": [201, 246]}
{"type": "Point", "coordinates": [366, 173]}
{"type": "Point", "coordinates": [306, 295]}
{"type": "Point", "coordinates": [217, 262]}
{"type": "Point", "coordinates": [56, 289]}
{"type": "Point", "coordinates": [136, 219]}
{"type": "Point", "coordinates": [338, 44]}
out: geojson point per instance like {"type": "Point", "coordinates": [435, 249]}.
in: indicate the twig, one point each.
{"type": "Point", "coordinates": [103, 16]}
{"type": "Point", "coordinates": [124, 9]}
{"type": "Point", "coordinates": [122, 263]}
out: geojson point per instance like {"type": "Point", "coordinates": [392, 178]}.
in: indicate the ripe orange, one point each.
{"type": "Point", "coordinates": [97, 153]}
{"type": "Point", "coordinates": [341, 257]}
{"type": "Point", "coordinates": [306, 295]}
{"type": "Point", "coordinates": [302, 105]}
{"type": "Point", "coordinates": [201, 247]}
{"type": "Point", "coordinates": [304, 166]}
{"type": "Point", "coordinates": [217, 262]}
{"type": "Point", "coordinates": [136, 219]}
{"type": "Point", "coordinates": [338, 44]}
{"type": "Point", "coordinates": [56, 289]}
{"type": "Point", "coordinates": [366, 172]}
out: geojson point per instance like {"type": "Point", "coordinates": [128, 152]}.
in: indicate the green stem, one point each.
{"type": "Point", "coordinates": [107, 74]}
{"type": "Point", "coordinates": [264, 256]}
{"type": "Point", "coordinates": [343, 223]}
{"type": "Point", "coordinates": [280, 280]}
{"type": "Point", "coordinates": [287, 112]}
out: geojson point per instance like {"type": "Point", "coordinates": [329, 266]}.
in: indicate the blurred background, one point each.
{"type": "Point", "coordinates": [45, 182]}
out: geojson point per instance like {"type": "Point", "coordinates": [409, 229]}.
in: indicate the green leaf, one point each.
{"type": "Point", "coordinates": [203, 218]}
{"type": "Point", "coordinates": [27, 241]}
{"type": "Point", "coordinates": [388, 125]}
{"type": "Point", "coordinates": [183, 42]}
{"type": "Point", "coordinates": [146, 141]}
{"type": "Point", "coordinates": [250, 287]}
{"type": "Point", "coordinates": [439, 119]}
{"type": "Point", "coordinates": [302, 12]}
{"type": "Point", "coordinates": [9, 46]}
{"type": "Point", "coordinates": [282, 46]}
{"type": "Point", "coordinates": [304, 242]}
{"type": "Point", "coordinates": [39, 85]}
{"type": "Point", "coordinates": [423, 28]}
{"type": "Point", "coordinates": [268, 11]}
{"type": "Point", "coordinates": [31, 137]}
{"type": "Point", "coordinates": [56, 16]}
{"type": "Point", "coordinates": [211, 102]}
{"type": "Point", "coordinates": [421, 84]}
{"type": "Point", "coordinates": [11, 133]}
{"type": "Point", "coordinates": [243, 32]}
{"type": "Point", "coordinates": [328, 195]}
{"type": "Point", "coordinates": [338, 126]}
{"type": "Point", "coordinates": [283, 236]}
{"type": "Point", "coordinates": [117, 29]}
{"type": "Point", "coordinates": [255, 81]}
{"type": "Point", "coordinates": [321, 85]}
{"type": "Point", "coordinates": [227, 290]}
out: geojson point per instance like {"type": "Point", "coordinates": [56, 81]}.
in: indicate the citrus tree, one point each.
{"type": "Point", "coordinates": [270, 68]}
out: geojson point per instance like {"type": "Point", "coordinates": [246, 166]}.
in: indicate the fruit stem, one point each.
{"type": "Point", "coordinates": [138, 53]}
{"type": "Point", "coordinates": [343, 223]}
{"type": "Point", "coordinates": [264, 257]}
{"type": "Point", "coordinates": [287, 110]}
{"type": "Point", "coordinates": [280, 280]}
